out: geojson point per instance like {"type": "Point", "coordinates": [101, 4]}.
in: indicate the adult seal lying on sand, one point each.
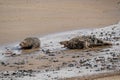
{"type": "Point", "coordinates": [30, 43]}
{"type": "Point", "coordinates": [84, 42]}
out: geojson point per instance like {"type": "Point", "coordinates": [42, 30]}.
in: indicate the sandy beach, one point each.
{"type": "Point", "coordinates": [53, 21]}
{"type": "Point", "coordinates": [23, 18]}
{"type": "Point", "coordinates": [54, 62]}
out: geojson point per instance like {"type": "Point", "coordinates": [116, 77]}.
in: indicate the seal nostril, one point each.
{"type": "Point", "coordinates": [20, 44]}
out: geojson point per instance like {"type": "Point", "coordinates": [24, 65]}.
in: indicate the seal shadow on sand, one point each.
{"type": "Point", "coordinates": [65, 50]}
{"type": "Point", "coordinates": [98, 48]}
{"type": "Point", "coordinates": [29, 51]}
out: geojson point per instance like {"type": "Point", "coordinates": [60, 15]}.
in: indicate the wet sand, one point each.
{"type": "Point", "coordinates": [54, 62]}
{"type": "Point", "coordinates": [22, 18]}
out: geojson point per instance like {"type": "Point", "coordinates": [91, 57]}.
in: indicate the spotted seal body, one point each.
{"type": "Point", "coordinates": [82, 42]}
{"type": "Point", "coordinates": [30, 43]}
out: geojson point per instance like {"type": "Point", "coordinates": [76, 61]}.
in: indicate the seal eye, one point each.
{"type": "Point", "coordinates": [22, 43]}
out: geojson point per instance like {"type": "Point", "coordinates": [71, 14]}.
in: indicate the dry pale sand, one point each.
{"type": "Point", "coordinates": [22, 18]}
{"type": "Point", "coordinates": [117, 77]}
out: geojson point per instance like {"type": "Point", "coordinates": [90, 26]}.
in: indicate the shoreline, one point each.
{"type": "Point", "coordinates": [53, 21]}
{"type": "Point", "coordinates": [53, 59]}
{"type": "Point", "coordinates": [47, 34]}
{"type": "Point", "coordinates": [96, 76]}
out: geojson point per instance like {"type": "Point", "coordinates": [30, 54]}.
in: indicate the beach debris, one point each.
{"type": "Point", "coordinates": [30, 43]}
{"type": "Point", "coordinates": [71, 65]}
{"type": "Point", "coordinates": [18, 73]}
{"type": "Point", "coordinates": [52, 62]}
{"type": "Point", "coordinates": [55, 60]}
{"type": "Point", "coordinates": [51, 54]}
{"type": "Point", "coordinates": [3, 63]}
{"type": "Point", "coordinates": [83, 42]}
{"type": "Point", "coordinates": [8, 51]}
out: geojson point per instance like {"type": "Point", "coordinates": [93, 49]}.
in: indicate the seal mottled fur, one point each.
{"type": "Point", "coordinates": [82, 42]}
{"type": "Point", "coordinates": [30, 43]}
